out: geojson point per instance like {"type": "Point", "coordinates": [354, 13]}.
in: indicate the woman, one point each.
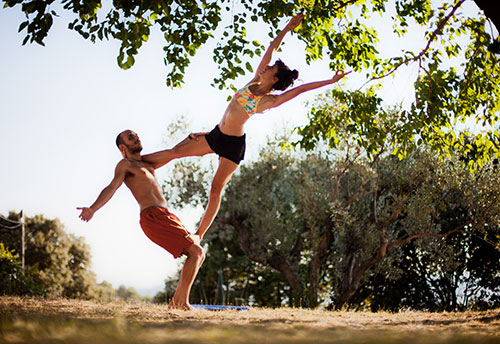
{"type": "Point", "coordinates": [227, 139]}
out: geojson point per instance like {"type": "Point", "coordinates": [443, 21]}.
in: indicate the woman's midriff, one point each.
{"type": "Point", "coordinates": [233, 120]}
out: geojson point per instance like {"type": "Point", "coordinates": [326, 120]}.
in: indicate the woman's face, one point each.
{"type": "Point", "coordinates": [269, 72]}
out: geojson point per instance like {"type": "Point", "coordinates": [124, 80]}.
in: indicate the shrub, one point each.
{"type": "Point", "coordinates": [14, 280]}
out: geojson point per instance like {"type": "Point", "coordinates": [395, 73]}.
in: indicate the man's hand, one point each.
{"type": "Point", "coordinates": [86, 213]}
{"type": "Point", "coordinates": [196, 136]}
{"type": "Point", "coordinates": [295, 21]}
{"type": "Point", "coordinates": [193, 238]}
{"type": "Point", "coordinates": [192, 136]}
{"type": "Point", "coordinates": [339, 75]}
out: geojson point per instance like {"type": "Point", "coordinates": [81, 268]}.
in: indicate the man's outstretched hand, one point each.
{"type": "Point", "coordinates": [86, 213]}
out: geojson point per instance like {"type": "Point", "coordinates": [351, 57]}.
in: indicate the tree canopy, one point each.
{"type": "Point", "coordinates": [458, 69]}
{"type": "Point", "coordinates": [59, 263]}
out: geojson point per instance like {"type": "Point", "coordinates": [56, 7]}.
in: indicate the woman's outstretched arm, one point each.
{"type": "Point", "coordinates": [275, 44]}
{"type": "Point", "coordinates": [274, 101]}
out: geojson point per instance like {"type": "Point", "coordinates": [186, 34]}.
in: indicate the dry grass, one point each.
{"type": "Point", "coordinates": [31, 320]}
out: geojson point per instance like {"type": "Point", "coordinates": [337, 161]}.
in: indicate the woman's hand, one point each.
{"type": "Point", "coordinates": [339, 75]}
{"type": "Point", "coordinates": [295, 21]}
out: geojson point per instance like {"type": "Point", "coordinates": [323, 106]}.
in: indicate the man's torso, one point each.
{"type": "Point", "coordinates": [140, 178]}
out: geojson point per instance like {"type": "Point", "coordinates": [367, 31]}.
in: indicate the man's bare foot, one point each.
{"type": "Point", "coordinates": [193, 238]}
{"type": "Point", "coordinates": [181, 306]}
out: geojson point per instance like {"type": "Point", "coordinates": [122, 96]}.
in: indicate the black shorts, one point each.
{"type": "Point", "coordinates": [227, 146]}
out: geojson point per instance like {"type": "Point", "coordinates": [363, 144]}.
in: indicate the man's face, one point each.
{"type": "Point", "coordinates": [132, 142]}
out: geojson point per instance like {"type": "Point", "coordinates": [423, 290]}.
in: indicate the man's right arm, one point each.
{"type": "Point", "coordinates": [106, 194]}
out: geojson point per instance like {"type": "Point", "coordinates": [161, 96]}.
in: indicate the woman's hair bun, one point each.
{"type": "Point", "coordinates": [285, 76]}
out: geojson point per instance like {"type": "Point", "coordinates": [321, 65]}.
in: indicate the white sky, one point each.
{"type": "Point", "coordinates": [62, 105]}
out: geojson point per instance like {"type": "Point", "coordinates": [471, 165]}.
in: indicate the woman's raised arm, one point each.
{"type": "Point", "coordinates": [275, 44]}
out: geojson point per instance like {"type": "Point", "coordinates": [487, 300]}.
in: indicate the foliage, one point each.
{"type": "Point", "coordinates": [458, 71]}
{"type": "Point", "coordinates": [62, 260]}
{"type": "Point", "coordinates": [459, 272]}
{"type": "Point", "coordinates": [127, 294]}
{"type": "Point", "coordinates": [305, 229]}
{"type": "Point", "coordinates": [105, 292]}
{"type": "Point", "coordinates": [187, 177]}
{"type": "Point", "coordinates": [168, 293]}
{"type": "Point", "coordinates": [14, 280]}
{"type": "Point", "coordinates": [457, 266]}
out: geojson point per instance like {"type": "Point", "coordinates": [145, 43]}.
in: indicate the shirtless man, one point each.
{"type": "Point", "coordinates": [161, 226]}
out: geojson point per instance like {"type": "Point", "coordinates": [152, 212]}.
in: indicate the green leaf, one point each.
{"type": "Point", "coordinates": [22, 26]}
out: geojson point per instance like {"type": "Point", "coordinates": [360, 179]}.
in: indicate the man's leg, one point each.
{"type": "Point", "coordinates": [222, 175]}
{"type": "Point", "coordinates": [195, 257]}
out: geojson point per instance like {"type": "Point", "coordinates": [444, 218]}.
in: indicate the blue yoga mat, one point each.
{"type": "Point", "coordinates": [221, 308]}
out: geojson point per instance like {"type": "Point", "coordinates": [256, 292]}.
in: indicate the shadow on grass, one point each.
{"type": "Point", "coordinates": [59, 329]}
{"type": "Point", "coordinates": [446, 322]}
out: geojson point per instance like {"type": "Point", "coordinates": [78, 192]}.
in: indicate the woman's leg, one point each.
{"type": "Point", "coordinates": [222, 175]}
{"type": "Point", "coordinates": [191, 137]}
{"type": "Point", "coordinates": [191, 146]}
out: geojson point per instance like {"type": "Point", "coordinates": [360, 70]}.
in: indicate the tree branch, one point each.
{"type": "Point", "coordinates": [424, 235]}
{"type": "Point", "coordinates": [256, 254]}
{"type": "Point", "coordinates": [435, 33]}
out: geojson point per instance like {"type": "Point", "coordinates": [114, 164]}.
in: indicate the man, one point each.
{"type": "Point", "coordinates": [162, 227]}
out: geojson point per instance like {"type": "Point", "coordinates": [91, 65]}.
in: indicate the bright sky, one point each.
{"type": "Point", "coordinates": [62, 105]}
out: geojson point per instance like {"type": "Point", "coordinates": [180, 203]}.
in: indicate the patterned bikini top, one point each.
{"type": "Point", "coordinates": [247, 99]}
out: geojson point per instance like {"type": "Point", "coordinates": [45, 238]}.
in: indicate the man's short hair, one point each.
{"type": "Point", "coordinates": [119, 139]}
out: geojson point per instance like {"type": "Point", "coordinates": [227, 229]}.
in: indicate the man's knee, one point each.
{"type": "Point", "coordinates": [202, 258]}
{"type": "Point", "coordinates": [196, 251]}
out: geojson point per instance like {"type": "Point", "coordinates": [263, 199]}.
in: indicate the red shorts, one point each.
{"type": "Point", "coordinates": [165, 229]}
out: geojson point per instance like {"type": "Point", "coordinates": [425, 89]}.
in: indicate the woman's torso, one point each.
{"type": "Point", "coordinates": [241, 108]}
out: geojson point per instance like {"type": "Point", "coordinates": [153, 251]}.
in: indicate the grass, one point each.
{"type": "Point", "coordinates": [32, 320]}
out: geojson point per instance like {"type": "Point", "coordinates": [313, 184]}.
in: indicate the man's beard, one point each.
{"type": "Point", "coordinates": [135, 150]}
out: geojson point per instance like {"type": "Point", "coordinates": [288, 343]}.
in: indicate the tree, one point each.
{"type": "Point", "coordinates": [327, 225]}
{"type": "Point", "coordinates": [14, 280]}
{"type": "Point", "coordinates": [458, 68]}
{"type": "Point", "coordinates": [428, 199]}
{"type": "Point", "coordinates": [457, 273]}
{"type": "Point", "coordinates": [61, 259]}
{"type": "Point", "coordinates": [127, 294]}
{"type": "Point", "coordinates": [105, 292]}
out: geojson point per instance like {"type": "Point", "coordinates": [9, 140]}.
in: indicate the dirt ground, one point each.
{"type": "Point", "coordinates": [33, 320]}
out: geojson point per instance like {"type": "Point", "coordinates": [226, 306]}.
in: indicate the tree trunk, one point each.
{"type": "Point", "coordinates": [282, 264]}
{"type": "Point", "coordinates": [259, 254]}
{"type": "Point", "coordinates": [349, 283]}
{"type": "Point", "coordinates": [353, 271]}
{"type": "Point", "coordinates": [316, 264]}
